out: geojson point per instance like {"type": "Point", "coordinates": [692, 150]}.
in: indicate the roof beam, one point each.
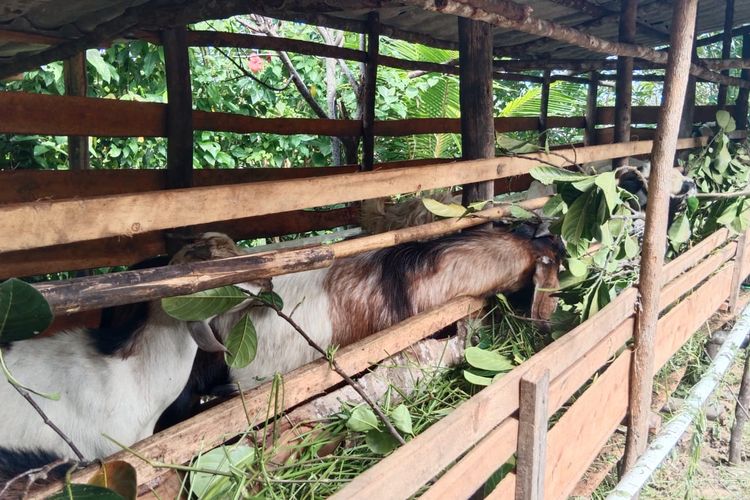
{"type": "Point", "coordinates": [607, 64]}
{"type": "Point", "coordinates": [597, 11]}
{"type": "Point", "coordinates": [495, 13]}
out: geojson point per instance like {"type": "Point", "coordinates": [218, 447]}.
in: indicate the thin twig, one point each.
{"type": "Point", "coordinates": [733, 194]}
{"type": "Point", "coordinates": [253, 77]}
{"type": "Point", "coordinates": [332, 361]}
{"type": "Point", "coordinates": [34, 475]}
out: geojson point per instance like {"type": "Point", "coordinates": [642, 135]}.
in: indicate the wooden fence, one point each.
{"type": "Point", "coordinates": [489, 420]}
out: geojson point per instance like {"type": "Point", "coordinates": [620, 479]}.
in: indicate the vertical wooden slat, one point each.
{"type": "Point", "coordinates": [737, 274]}
{"type": "Point", "coordinates": [740, 110]}
{"type": "Point", "coordinates": [76, 84]}
{"type": "Point", "coordinates": [475, 96]}
{"type": "Point", "coordinates": [655, 236]}
{"type": "Point", "coordinates": [544, 108]}
{"type": "Point", "coordinates": [370, 90]}
{"type": "Point", "coordinates": [726, 49]}
{"type": "Point", "coordinates": [624, 83]}
{"type": "Point", "coordinates": [179, 118]}
{"type": "Point", "coordinates": [532, 435]}
{"type": "Point", "coordinates": [589, 134]}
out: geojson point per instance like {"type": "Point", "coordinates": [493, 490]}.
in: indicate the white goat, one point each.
{"type": "Point", "coordinates": [116, 380]}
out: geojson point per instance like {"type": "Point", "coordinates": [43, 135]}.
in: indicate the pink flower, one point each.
{"type": "Point", "coordinates": [255, 63]}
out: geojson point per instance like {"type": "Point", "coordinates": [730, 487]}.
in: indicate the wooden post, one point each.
{"type": "Point", "coordinates": [544, 109]}
{"type": "Point", "coordinates": [624, 84]}
{"type": "Point", "coordinates": [179, 116]}
{"type": "Point", "coordinates": [589, 134]}
{"type": "Point", "coordinates": [477, 107]}
{"type": "Point", "coordinates": [532, 435]}
{"type": "Point", "coordinates": [74, 70]}
{"type": "Point", "coordinates": [655, 236]}
{"type": "Point", "coordinates": [741, 105]}
{"type": "Point", "coordinates": [726, 50]}
{"type": "Point", "coordinates": [740, 414]}
{"type": "Point", "coordinates": [737, 274]}
{"type": "Point", "coordinates": [370, 90]}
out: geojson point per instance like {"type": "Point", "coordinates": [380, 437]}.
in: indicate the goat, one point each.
{"type": "Point", "coordinates": [116, 379]}
{"type": "Point", "coordinates": [378, 216]}
{"type": "Point", "coordinates": [360, 295]}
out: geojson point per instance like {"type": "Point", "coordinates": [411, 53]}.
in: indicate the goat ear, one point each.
{"type": "Point", "coordinates": [204, 336]}
{"type": "Point", "coordinates": [546, 282]}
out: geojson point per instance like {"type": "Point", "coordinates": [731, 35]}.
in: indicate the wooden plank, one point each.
{"type": "Point", "coordinates": [119, 251]}
{"type": "Point", "coordinates": [79, 294]}
{"type": "Point", "coordinates": [241, 124]}
{"type": "Point", "coordinates": [691, 257]}
{"type": "Point", "coordinates": [679, 324]}
{"type": "Point", "coordinates": [212, 427]}
{"type": "Point", "coordinates": [533, 415]}
{"type": "Point", "coordinates": [46, 223]}
{"type": "Point", "coordinates": [648, 114]}
{"type": "Point", "coordinates": [437, 447]}
{"type": "Point", "coordinates": [685, 282]}
{"type": "Point", "coordinates": [470, 473]}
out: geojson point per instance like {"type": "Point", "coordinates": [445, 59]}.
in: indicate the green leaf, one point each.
{"type": "Point", "coordinates": [476, 379]}
{"type": "Point", "coordinates": [119, 476]}
{"type": "Point", "coordinates": [241, 344]}
{"type": "Point", "coordinates": [520, 212]}
{"type": "Point", "coordinates": [600, 257]}
{"type": "Point", "coordinates": [584, 184]}
{"type": "Point", "coordinates": [576, 267]}
{"type": "Point", "coordinates": [271, 299]}
{"type": "Point", "coordinates": [362, 419]}
{"type": "Point", "coordinates": [443, 210]}
{"type": "Point", "coordinates": [203, 305]}
{"type": "Point", "coordinates": [692, 204]}
{"type": "Point", "coordinates": [548, 175]}
{"type": "Point", "coordinates": [728, 214]}
{"type": "Point", "coordinates": [679, 231]}
{"type": "Point", "coordinates": [723, 118]}
{"type": "Point", "coordinates": [574, 225]}
{"type": "Point", "coordinates": [102, 68]}
{"type": "Point", "coordinates": [554, 206]}
{"type": "Point", "coordinates": [222, 459]}
{"type": "Point", "coordinates": [380, 442]}
{"type": "Point", "coordinates": [401, 419]}
{"type": "Point", "coordinates": [24, 312]}
{"type": "Point", "coordinates": [487, 360]}
{"type": "Point", "coordinates": [630, 247]}
{"type": "Point", "coordinates": [85, 492]}
{"type": "Point", "coordinates": [607, 183]}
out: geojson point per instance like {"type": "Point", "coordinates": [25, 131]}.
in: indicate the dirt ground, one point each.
{"type": "Point", "coordinates": [698, 469]}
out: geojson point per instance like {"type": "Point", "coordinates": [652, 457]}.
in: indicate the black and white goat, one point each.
{"type": "Point", "coordinates": [115, 380]}
{"type": "Point", "coordinates": [358, 296]}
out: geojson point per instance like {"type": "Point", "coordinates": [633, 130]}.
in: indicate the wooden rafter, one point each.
{"type": "Point", "coordinates": [597, 11]}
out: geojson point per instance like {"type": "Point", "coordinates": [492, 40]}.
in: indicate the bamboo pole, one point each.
{"type": "Point", "coordinates": [476, 101]}
{"type": "Point", "coordinates": [655, 237]}
{"type": "Point", "coordinates": [370, 91]}
{"type": "Point", "coordinates": [726, 50]}
{"type": "Point", "coordinates": [624, 83]}
{"type": "Point", "coordinates": [76, 84]}
{"type": "Point", "coordinates": [589, 134]}
{"type": "Point", "coordinates": [510, 15]}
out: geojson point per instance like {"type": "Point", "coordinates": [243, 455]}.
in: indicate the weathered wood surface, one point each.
{"type": "Point", "coordinates": [533, 414]}
{"type": "Point", "coordinates": [76, 84]}
{"type": "Point", "coordinates": [738, 275]}
{"type": "Point", "coordinates": [693, 256]}
{"type": "Point", "coordinates": [369, 91]}
{"type": "Point", "coordinates": [47, 223]}
{"type": "Point", "coordinates": [655, 235]}
{"type": "Point", "coordinates": [592, 93]}
{"type": "Point", "coordinates": [436, 448]}
{"type": "Point", "coordinates": [624, 82]}
{"type": "Point", "coordinates": [125, 287]}
{"type": "Point", "coordinates": [27, 113]}
{"type": "Point", "coordinates": [179, 443]}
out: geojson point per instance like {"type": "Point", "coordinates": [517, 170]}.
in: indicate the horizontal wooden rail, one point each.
{"type": "Point", "coordinates": [26, 113]}
{"type": "Point", "coordinates": [95, 292]}
{"type": "Point", "coordinates": [179, 443]}
{"type": "Point", "coordinates": [45, 223]}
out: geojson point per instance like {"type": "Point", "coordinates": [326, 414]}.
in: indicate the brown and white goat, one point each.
{"type": "Point", "coordinates": [115, 380]}
{"type": "Point", "coordinates": [360, 295]}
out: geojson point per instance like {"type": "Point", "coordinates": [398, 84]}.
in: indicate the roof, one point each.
{"type": "Point", "coordinates": [30, 26]}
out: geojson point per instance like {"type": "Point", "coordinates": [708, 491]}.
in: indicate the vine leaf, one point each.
{"type": "Point", "coordinates": [241, 343]}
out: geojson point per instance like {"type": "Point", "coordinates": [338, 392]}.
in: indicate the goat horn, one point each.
{"type": "Point", "coordinates": [204, 336]}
